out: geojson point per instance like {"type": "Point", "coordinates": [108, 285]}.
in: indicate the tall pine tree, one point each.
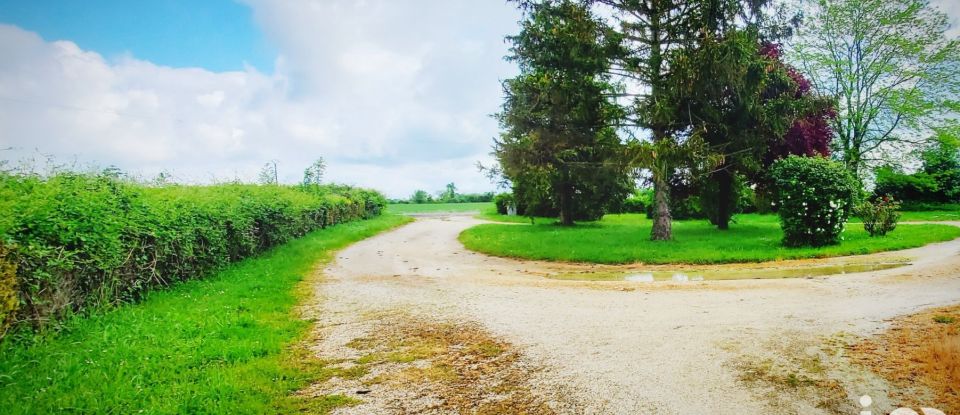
{"type": "Point", "coordinates": [558, 144]}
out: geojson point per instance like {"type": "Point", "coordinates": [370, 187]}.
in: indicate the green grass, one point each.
{"type": "Point", "coordinates": [439, 207]}
{"type": "Point", "coordinates": [944, 319]}
{"type": "Point", "coordinates": [624, 238]}
{"type": "Point", "coordinates": [490, 214]}
{"type": "Point", "coordinates": [932, 215]}
{"type": "Point", "coordinates": [226, 344]}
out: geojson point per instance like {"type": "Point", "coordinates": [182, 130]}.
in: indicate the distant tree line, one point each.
{"type": "Point", "coordinates": [448, 195]}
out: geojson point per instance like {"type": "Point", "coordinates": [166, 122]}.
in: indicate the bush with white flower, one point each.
{"type": "Point", "coordinates": [815, 196]}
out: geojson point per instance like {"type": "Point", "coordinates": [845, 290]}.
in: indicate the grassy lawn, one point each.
{"type": "Point", "coordinates": [226, 344]}
{"type": "Point", "coordinates": [625, 239]}
{"type": "Point", "coordinates": [490, 214]}
{"type": "Point", "coordinates": [440, 207]}
{"type": "Point", "coordinates": [932, 215]}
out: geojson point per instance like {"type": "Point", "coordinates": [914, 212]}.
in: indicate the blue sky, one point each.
{"type": "Point", "coordinates": [395, 95]}
{"type": "Point", "coordinates": [219, 35]}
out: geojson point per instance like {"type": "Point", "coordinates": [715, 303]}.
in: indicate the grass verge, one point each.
{"type": "Point", "coordinates": [932, 215]}
{"type": "Point", "coordinates": [225, 344]}
{"type": "Point", "coordinates": [439, 207]}
{"type": "Point", "coordinates": [619, 239]}
{"type": "Point", "coordinates": [490, 214]}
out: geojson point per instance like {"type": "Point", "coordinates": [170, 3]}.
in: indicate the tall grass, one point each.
{"type": "Point", "coordinates": [941, 358]}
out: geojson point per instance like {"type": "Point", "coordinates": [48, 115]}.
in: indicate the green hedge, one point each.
{"type": "Point", "coordinates": [85, 241]}
{"type": "Point", "coordinates": [8, 290]}
{"type": "Point", "coordinates": [911, 188]}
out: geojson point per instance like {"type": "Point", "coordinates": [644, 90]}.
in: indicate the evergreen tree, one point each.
{"type": "Point", "coordinates": [558, 143]}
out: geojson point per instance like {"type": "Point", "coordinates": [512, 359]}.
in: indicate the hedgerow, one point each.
{"type": "Point", "coordinates": [8, 290]}
{"type": "Point", "coordinates": [86, 241]}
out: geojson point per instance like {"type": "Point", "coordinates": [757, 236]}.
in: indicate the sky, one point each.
{"type": "Point", "coordinates": [394, 95]}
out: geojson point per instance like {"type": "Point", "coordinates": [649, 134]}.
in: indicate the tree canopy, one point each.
{"type": "Point", "coordinates": [891, 67]}
{"type": "Point", "coordinates": [558, 145]}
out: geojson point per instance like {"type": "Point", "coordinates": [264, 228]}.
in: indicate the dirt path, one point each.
{"type": "Point", "coordinates": [630, 347]}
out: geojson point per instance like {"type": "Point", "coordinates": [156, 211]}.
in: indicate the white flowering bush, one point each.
{"type": "Point", "coordinates": [815, 197]}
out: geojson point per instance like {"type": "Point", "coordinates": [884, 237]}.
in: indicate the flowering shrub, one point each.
{"type": "Point", "coordinates": [815, 198]}
{"type": "Point", "coordinates": [879, 216]}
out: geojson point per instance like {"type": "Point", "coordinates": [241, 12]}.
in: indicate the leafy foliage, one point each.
{"type": "Point", "coordinates": [85, 241]}
{"type": "Point", "coordinates": [815, 196]}
{"type": "Point", "coordinates": [8, 290]}
{"type": "Point", "coordinates": [503, 201]}
{"type": "Point", "coordinates": [734, 98]}
{"type": "Point", "coordinates": [674, 198]}
{"type": "Point", "coordinates": [937, 182]}
{"type": "Point", "coordinates": [810, 134]}
{"type": "Point", "coordinates": [942, 161]}
{"type": "Point", "coordinates": [879, 216]}
{"type": "Point", "coordinates": [892, 66]}
{"type": "Point", "coordinates": [917, 187]}
{"type": "Point", "coordinates": [558, 147]}
{"type": "Point", "coordinates": [637, 202]}
{"type": "Point", "coordinates": [741, 199]}
{"type": "Point", "coordinates": [421, 196]}
{"type": "Point", "coordinates": [231, 343]}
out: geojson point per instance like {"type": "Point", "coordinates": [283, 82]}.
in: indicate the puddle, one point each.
{"type": "Point", "coordinates": [729, 274]}
{"type": "Point", "coordinates": [642, 277]}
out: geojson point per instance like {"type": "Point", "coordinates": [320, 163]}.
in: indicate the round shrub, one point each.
{"type": "Point", "coordinates": [815, 197]}
{"type": "Point", "coordinates": [879, 216]}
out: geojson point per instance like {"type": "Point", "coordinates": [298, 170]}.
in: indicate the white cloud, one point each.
{"type": "Point", "coordinates": [952, 9]}
{"type": "Point", "coordinates": [395, 95]}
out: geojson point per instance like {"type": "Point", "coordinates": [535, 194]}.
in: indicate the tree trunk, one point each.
{"type": "Point", "coordinates": [662, 230]}
{"type": "Point", "coordinates": [566, 199]}
{"type": "Point", "coordinates": [724, 195]}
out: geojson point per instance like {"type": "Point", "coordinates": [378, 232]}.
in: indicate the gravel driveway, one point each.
{"type": "Point", "coordinates": [630, 347]}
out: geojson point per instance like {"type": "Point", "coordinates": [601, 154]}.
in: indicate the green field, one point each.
{"type": "Point", "coordinates": [226, 344]}
{"type": "Point", "coordinates": [932, 215]}
{"type": "Point", "coordinates": [619, 239]}
{"type": "Point", "coordinates": [439, 207]}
